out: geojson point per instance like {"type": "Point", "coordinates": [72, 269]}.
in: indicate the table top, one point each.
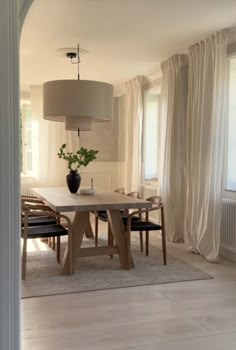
{"type": "Point", "coordinates": [61, 200]}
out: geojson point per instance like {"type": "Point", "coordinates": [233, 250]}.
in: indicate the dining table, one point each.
{"type": "Point", "coordinates": [61, 200]}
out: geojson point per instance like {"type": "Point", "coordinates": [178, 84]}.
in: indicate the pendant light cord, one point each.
{"type": "Point", "coordinates": [78, 61]}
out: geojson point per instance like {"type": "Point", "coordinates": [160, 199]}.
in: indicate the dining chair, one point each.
{"type": "Point", "coordinates": [125, 214]}
{"type": "Point", "coordinates": [29, 231]}
{"type": "Point", "coordinates": [31, 199]}
{"type": "Point", "coordinates": [145, 224]}
{"type": "Point", "coordinates": [39, 221]}
{"type": "Point", "coordinates": [36, 220]}
{"type": "Point", "coordinates": [102, 215]}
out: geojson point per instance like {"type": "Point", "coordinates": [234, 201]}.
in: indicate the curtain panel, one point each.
{"type": "Point", "coordinates": [205, 138]}
{"type": "Point", "coordinates": [133, 133]}
{"type": "Point", "coordinates": [172, 150]}
{"type": "Point", "coordinates": [48, 136]}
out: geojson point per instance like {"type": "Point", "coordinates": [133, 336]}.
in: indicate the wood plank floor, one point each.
{"type": "Point", "coordinates": [187, 315]}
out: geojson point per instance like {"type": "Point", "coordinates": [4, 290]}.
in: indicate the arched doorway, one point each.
{"type": "Point", "coordinates": [12, 15]}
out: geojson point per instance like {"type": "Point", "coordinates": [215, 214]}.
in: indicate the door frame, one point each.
{"type": "Point", "coordinates": [12, 17]}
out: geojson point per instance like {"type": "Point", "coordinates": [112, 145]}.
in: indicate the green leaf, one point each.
{"type": "Point", "coordinates": [82, 157]}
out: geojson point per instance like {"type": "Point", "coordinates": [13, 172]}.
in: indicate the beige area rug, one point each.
{"type": "Point", "coordinates": [98, 273]}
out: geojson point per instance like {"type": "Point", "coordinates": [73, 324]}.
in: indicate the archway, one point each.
{"type": "Point", "coordinates": [12, 16]}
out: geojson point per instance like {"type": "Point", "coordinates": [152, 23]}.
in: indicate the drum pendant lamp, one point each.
{"type": "Point", "coordinates": [78, 103]}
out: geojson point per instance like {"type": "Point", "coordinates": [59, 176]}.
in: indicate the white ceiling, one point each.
{"type": "Point", "coordinates": [124, 37]}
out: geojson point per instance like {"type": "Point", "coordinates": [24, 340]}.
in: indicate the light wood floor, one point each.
{"type": "Point", "coordinates": [199, 315]}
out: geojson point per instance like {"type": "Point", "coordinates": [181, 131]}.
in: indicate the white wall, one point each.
{"type": "Point", "coordinates": [103, 137]}
{"type": "Point", "coordinates": [107, 138]}
{"type": "Point", "coordinates": [106, 175]}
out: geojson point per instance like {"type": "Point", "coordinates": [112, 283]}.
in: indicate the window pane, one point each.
{"type": "Point", "coordinates": [29, 162]}
{"type": "Point", "coordinates": [150, 137]}
{"type": "Point", "coordinates": [28, 119]}
{"type": "Point", "coordinates": [231, 161]}
{"type": "Point", "coordinates": [29, 140]}
{"type": "Point", "coordinates": [26, 139]}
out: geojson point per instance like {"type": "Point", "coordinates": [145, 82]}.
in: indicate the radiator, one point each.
{"type": "Point", "coordinates": [148, 191]}
{"type": "Point", "coordinates": [228, 230]}
{"type": "Point", "coordinates": [26, 189]}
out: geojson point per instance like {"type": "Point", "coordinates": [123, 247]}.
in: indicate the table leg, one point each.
{"type": "Point", "coordinates": [89, 231]}
{"type": "Point", "coordinates": [120, 236]}
{"type": "Point", "coordinates": [80, 222]}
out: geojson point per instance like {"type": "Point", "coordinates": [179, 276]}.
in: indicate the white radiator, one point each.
{"type": "Point", "coordinates": [26, 185]}
{"type": "Point", "coordinates": [26, 190]}
{"type": "Point", "coordinates": [148, 191]}
{"type": "Point", "coordinates": [228, 230]}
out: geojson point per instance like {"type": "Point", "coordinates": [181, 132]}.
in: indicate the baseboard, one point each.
{"type": "Point", "coordinates": [228, 253]}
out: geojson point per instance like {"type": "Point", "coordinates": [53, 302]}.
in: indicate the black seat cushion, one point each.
{"type": "Point", "coordinates": [144, 226]}
{"type": "Point", "coordinates": [134, 219]}
{"type": "Point", "coordinates": [102, 215]}
{"type": "Point", "coordinates": [46, 231]}
{"type": "Point", "coordinates": [41, 220]}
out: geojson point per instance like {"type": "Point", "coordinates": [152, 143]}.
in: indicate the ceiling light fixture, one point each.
{"type": "Point", "coordinates": [78, 103]}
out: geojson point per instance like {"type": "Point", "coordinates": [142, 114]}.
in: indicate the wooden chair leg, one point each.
{"type": "Point", "coordinates": [110, 238]}
{"type": "Point", "coordinates": [128, 249]}
{"type": "Point", "coordinates": [53, 243]}
{"type": "Point", "coordinates": [96, 231]}
{"type": "Point", "coordinates": [24, 259]}
{"type": "Point", "coordinates": [147, 243]}
{"type": "Point", "coordinates": [141, 240]}
{"type": "Point", "coordinates": [163, 237]}
{"type": "Point", "coordinates": [58, 246]}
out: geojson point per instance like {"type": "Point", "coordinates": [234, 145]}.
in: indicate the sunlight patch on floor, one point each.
{"type": "Point", "coordinates": [35, 245]}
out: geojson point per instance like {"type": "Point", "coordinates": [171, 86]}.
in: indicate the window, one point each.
{"type": "Point", "coordinates": [26, 140]}
{"type": "Point", "coordinates": [231, 145]}
{"type": "Point", "coordinates": [150, 135]}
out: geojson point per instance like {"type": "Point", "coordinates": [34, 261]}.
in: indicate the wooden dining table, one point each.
{"type": "Point", "coordinates": [61, 200]}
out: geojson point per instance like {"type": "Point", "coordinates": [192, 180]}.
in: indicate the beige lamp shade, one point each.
{"type": "Point", "coordinates": [78, 103]}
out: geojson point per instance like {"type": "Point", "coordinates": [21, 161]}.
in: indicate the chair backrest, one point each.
{"type": "Point", "coordinates": [31, 200]}
{"type": "Point", "coordinates": [154, 200]}
{"type": "Point", "coordinates": [134, 194]}
{"type": "Point", "coordinates": [120, 190]}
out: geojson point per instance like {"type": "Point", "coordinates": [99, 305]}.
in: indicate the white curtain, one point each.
{"type": "Point", "coordinates": [172, 150]}
{"type": "Point", "coordinates": [206, 120]}
{"type": "Point", "coordinates": [134, 115]}
{"type": "Point", "coordinates": [48, 136]}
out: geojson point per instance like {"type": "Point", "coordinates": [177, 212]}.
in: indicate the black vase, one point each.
{"type": "Point", "coordinates": [73, 180]}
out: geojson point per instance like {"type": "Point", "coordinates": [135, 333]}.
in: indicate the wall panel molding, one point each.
{"type": "Point", "coordinates": [107, 176]}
